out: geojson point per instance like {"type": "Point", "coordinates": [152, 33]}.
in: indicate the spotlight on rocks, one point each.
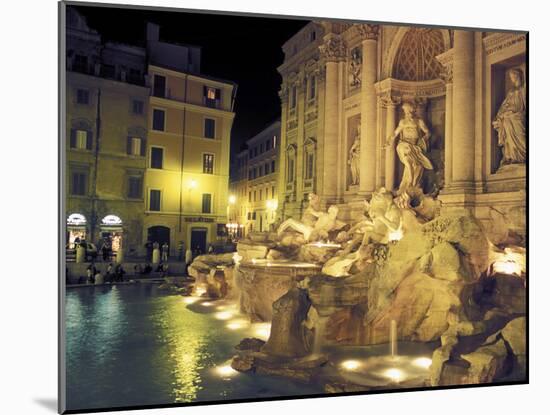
{"type": "Point", "coordinates": [225, 371]}
{"type": "Point", "coordinates": [223, 315]}
{"type": "Point", "coordinates": [351, 365]}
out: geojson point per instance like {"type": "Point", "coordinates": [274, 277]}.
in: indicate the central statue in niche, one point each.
{"type": "Point", "coordinates": [411, 149]}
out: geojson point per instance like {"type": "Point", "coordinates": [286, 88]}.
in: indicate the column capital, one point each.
{"type": "Point", "coordinates": [367, 31]}
{"type": "Point", "coordinates": [387, 99]}
{"type": "Point", "coordinates": [446, 61]}
{"type": "Point", "coordinates": [283, 94]}
{"type": "Point", "coordinates": [333, 49]}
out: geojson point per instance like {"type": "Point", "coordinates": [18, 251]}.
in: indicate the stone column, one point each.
{"type": "Point", "coordinates": [446, 60]}
{"type": "Point", "coordinates": [367, 176]}
{"type": "Point", "coordinates": [391, 106]}
{"type": "Point", "coordinates": [333, 50]}
{"type": "Point", "coordinates": [283, 95]}
{"type": "Point", "coordinates": [463, 114]}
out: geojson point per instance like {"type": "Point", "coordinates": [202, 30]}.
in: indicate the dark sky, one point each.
{"type": "Point", "coordinates": [243, 49]}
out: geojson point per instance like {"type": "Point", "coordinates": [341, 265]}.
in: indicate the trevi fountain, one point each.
{"type": "Point", "coordinates": [403, 296]}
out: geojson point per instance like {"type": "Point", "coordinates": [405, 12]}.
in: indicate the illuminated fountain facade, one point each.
{"type": "Point", "coordinates": [408, 267]}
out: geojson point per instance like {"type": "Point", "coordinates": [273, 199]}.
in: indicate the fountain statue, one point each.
{"type": "Point", "coordinates": [510, 122]}
{"type": "Point", "coordinates": [326, 222]}
{"type": "Point", "coordinates": [413, 142]}
{"type": "Point", "coordinates": [354, 157]}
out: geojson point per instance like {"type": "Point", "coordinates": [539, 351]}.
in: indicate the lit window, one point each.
{"type": "Point", "coordinates": [135, 146]}
{"type": "Point", "coordinates": [81, 139]}
{"type": "Point", "coordinates": [208, 163]}
{"type": "Point", "coordinates": [206, 203]}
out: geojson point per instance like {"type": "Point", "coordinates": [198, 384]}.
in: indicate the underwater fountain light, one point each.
{"type": "Point", "coordinates": [223, 315]}
{"type": "Point", "coordinates": [351, 364]}
{"type": "Point", "coordinates": [262, 330]}
{"type": "Point", "coordinates": [207, 304]}
{"type": "Point", "coordinates": [394, 374]}
{"type": "Point", "coordinates": [190, 300]}
{"type": "Point", "coordinates": [423, 362]}
{"type": "Point", "coordinates": [226, 371]}
{"type": "Point", "coordinates": [237, 324]}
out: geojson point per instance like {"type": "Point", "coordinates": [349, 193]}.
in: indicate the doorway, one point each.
{"type": "Point", "coordinates": [159, 234]}
{"type": "Point", "coordinates": [198, 239]}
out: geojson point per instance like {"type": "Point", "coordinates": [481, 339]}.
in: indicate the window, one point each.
{"type": "Point", "coordinates": [157, 156]}
{"type": "Point", "coordinates": [79, 183]}
{"type": "Point", "coordinates": [154, 200]}
{"type": "Point", "coordinates": [261, 171]}
{"type": "Point", "coordinates": [82, 96]}
{"type": "Point", "coordinates": [211, 97]}
{"type": "Point", "coordinates": [268, 145]}
{"type": "Point", "coordinates": [135, 146]}
{"type": "Point", "coordinates": [293, 97]}
{"type": "Point", "coordinates": [206, 203]}
{"type": "Point", "coordinates": [312, 88]}
{"type": "Point", "coordinates": [312, 36]}
{"type": "Point", "coordinates": [266, 168]}
{"type": "Point", "coordinates": [254, 195]}
{"type": "Point", "coordinates": [249, 197]}
{"type": "Point", "coordinates": [159, 86]}
{"type": "Point", "coordinates": [261, 148]}
{"type": "Point", "coordinates": [272, 166]}
{"type": "Point", "coordinates": [137, 107]}
{"type": "Point", "coordinates": [81, 139]}
{"type": "Point", "coordinates": [108, 71]}
{"type": "Point", "coordinates": [158, 120]}
{"type": "Point", "coordinates": [208, 163]}
{"type": "Point", "coordinates": [135, 187]}
{"type": "Point", "coordinates": [134, 76]}
{"type": "Point", "coordinates": [290, 174]}
{"type": "Point", "coordinates": [80, 63]}
{"type": "Point", "coordinates": [261, 192]}
{"type": "Point", "coordinates": [310, 163]}
{"type": "Point", "coordinates": [209, 128]}
{"type": "Point", "coordinates": [272, 192]}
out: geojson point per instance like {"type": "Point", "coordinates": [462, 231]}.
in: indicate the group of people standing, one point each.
{"type": "Point", "coordinates": [112, 274]}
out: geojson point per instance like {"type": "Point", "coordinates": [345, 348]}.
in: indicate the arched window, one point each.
{"type": "Point", "coordinates": [415, 59]}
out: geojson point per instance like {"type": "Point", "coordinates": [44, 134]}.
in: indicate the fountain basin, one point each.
{"type": "Point", "coordinates": [260, 282]}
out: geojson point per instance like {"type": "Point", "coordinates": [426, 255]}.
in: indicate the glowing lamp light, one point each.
{"type": "Point", "coordinates": [76, 219]}
{"type": "Point", "coordinates": [192, 184]}
{"type": "Point", "coordinates": [510, 262]}
{"type": "Point", "coordinates": [394, 374]}
{"type": "Point", "coordinates": [271, 204]}
{"type": "Point", "coordinates": [423, 362]}
{"type": "Point", "coordinates": [232, 199]}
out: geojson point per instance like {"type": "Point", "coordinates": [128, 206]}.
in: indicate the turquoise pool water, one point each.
{"type": "Point", "coordinates": [135, 345]}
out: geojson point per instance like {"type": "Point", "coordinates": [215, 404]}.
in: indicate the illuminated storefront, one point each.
{"type": "Point", "coordinates": [111, 230]}
{"type": "Point", "coordinates": [76, 229]}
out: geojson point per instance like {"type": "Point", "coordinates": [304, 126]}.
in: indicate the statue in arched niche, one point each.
{"type": "Point", "coordinates": [354, 156]}
{"type": "Point", "coordinates": [510, 122]}
{"type": "Point", "coordinates": [411, 149]}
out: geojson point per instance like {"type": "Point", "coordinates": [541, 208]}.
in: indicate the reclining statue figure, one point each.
{"type": "Point", "coordinates": [325, 223]}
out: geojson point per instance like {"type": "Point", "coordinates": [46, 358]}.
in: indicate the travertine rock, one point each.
{"type": "Point", "coordinates": [253, 250]}
{"type": "Point", "coordinates": [487, 363]}
{"type": "Point", "coordinates": [515, 335]}
{"type": "Point", "coordinates": [288, 336]}
{"type": "Point", "coordinates": [259, 288]}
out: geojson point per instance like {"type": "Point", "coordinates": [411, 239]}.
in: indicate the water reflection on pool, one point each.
{"type": "Point", "coordinates": [135, 345]}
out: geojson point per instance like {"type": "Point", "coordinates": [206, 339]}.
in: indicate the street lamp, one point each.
{"type": "Point", "coordinates": [232, 199]}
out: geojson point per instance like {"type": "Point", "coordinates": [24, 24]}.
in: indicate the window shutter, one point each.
{"type": "Point", "coordinates": [89, 140]}
{"type": "Point", "coordinates": [204, 91]}
{"type": "Point", "coordinates": [129, 145]}
{"type": "Point", "coordinates": [218, 93]}
{"type": "Point", "coordinates": [73, 138]}
{"type": "Point", "coordinates": [143, 146]}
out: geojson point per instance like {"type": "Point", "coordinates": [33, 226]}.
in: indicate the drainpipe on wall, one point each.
{"type": "Point", "coordinates": [180, 219]}
{"type": "Point", "coordinates": [93, 219]}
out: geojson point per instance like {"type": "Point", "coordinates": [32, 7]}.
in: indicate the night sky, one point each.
{"type": "Point", "coordinates": [243, 49]}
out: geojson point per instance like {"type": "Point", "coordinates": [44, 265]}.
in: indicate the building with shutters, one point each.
{"type": "Point", "coordinates": [106, 130]}
{"type": "Point", "coordinates": [257, 202]}
{"type": "Point", "coordinates": [187, 172]}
